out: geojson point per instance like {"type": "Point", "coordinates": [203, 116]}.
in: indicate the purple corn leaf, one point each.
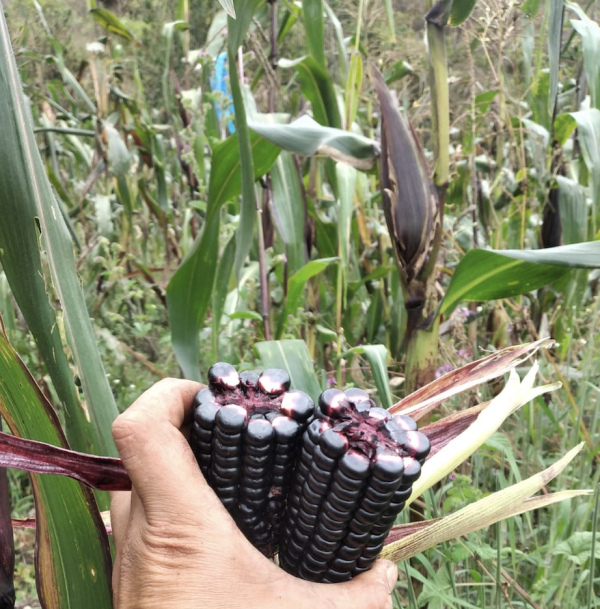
{"type": "Point", "coordinates": [102, 473]}
{"type": "Point", "coordinates": [425, 399]}
{"type": "Point", "coordinates": [7, 545]}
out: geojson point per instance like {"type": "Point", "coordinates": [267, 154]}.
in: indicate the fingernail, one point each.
{"type": "Point", "coordinates": [391, 575]}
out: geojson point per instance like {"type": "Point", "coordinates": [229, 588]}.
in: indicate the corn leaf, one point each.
{"type": "Point", "coordinates": [296, 285]}
{"type": "Point", "coordinates": [236, 32]}
{"type": "Point", "coordinates": [73, 562]}
{"type": "Point", "coordinates": [425, 399]}
{"type": "Point", "coordinates": [377, 357]}
{"type": "Point", "coordinates": [292, 356]}
{"type": "Point", "coordinates": [289, 210]}
{"type": "Point", "coordinates": [190, 289]}
{"type": "Point", "coordinates": [307, 137]}
{"type": "Point", "coordinates": [481, 514]}
{"type": "Point", "coordinates": [588, 135]}
{"type": "Point", "coordinates": [28, 208]}
{"type": "Point", "coordinates": [589, 31]}
{"type": "Point", "coordinates": [101, 473]}
{"type": "Point", "coordinates": [577, 255]}
{"type": "Point", "coordinates": [111, 23]}
{"type": "Point", "coordinates": [317, 87]}
{"type": "Point", "coordinates": [573, 210]}
{"type": "Point", "coordinates": [461, 11]}
{"type": "Point", "coordinates": [312, 11]}
{"type": "Point", "coordinates": [488, 275]}
{"type": "Point", "coordinates": [7, 544]}
{"type": "Point", "coordinates": [554, 45]}
{"type": "Point", "coordinates": [228, 7]}
{"type": "Point", "coordinates": [512, 397]}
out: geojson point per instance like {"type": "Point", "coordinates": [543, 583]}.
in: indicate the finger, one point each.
{"type": "Point", "coordinates": [155, 453]}
{"type": "Point", "coordinates": [370, 590]}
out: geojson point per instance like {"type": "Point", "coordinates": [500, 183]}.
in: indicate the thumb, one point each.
{"type": "Point", "coordinates": [370, 590]}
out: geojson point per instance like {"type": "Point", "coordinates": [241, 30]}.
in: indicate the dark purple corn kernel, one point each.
{"type": "Point", "coordinates": [234, 439]}
{"type": "Point", "coordinates": [379, 413]}
{"type": "Point", "coordinates": [285, 428]}
{"type": "Point", "coordinates": [298, 406]}
{"type": "Point", "coordinates": [231, 419]}
{"type": "Point", "coordinates": [333, 403]}
{"type": "Point", "coordinates": [226, 450]}
{"type": "Point", "coordinates": [357, 396]}
{"type": "Point", "coordinates": [355, 465]}
{"type": "Point", "coordinates": [205, 414]}
{"type": "Point", "coordinates": [274, 382]}
{"type": "Point", "coordinates": [225, 473]}
{"type": "Point", "coordinates": [204, 395]}
{"type": "Point", "coordinates": [227, 462]}
{"type": "Point", "coordinates": [336, 577]}
{"type": "Point", "coordinates": [417, 445]}
{"type": "Point", "coordinates": [405, 422]}
{"type": "Point", "coordinates": [249, 381]}
{"type": "Point", "coordinates": [259, 433]}
{"type": "Point", "coordinates": [223, 377]}
{"type": "Point", "coordinates": [388, 467]}
{"type": "Point", "coordinates": [335, 535]}
{"type": "Point", "coordinates": [349, 552]}
{"type": "Point", "coordinates": [333, 444]}
{"type": "Point", "coordinates": [342, 505]}
{"type": "Point", "coordinates": [357, 540]}
{"type": "Point", "coordinates": [202, 434]}
{"type": "Point", "coordinates": [412, 470]}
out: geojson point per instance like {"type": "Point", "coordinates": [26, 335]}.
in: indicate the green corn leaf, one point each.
{"type": "Point", "coordinates": [307, 137]}
{"type": "Point", "coordinates": [590, 37]}
{"type": "Point", "coordinates": [461, 11]}
{"type": "Point", "coordinates": [573, 211]}
{"type": "Point", "coordinates": [228, 7]}
{"type": "Point", "coordinates": [389, 16]}
{"type": "Point", "coordinates": [554, 44]}
{"type": "Point", "coordinates": [312, 11]}
{"type": "Point", "coordinates": [297, 284]}
{"type": "Point", "coordinates": [487, 275]}
{"type": "Point", "coordinates": [354, 85]}
{"type": "Point", "coordinates": [289, 210]}
{"type": "Point", "coordinates": [236, 32]}
{"type": "Point", "coordinates": [237, 27]}
{"type": "Point", "coordinates": [341, 41]}
{"type": "Point", "coordinates": [377, 357]}
{"type": "Point", "coordinates": [292, 356]}
{"type": "Point", "coordinates": [111, 23]}
{"type": "Point", "coordinates": [221, 290]}
{"type": "Point", "coordinates": [576, 256]}
{"type": "Point", "coordinates": [190, 289]}
{"type": "Point", "coordinates": [28, 208]}
{"type": "Point", "coordinates": [588, 133]}
{"type": "Point", "coordinates": [346, 178]}
{"type": "Point", "coordinates": [73, 561]}
{"type": "Point", "coordinates": [7, 543]}
{"type": "Point", "coordinates": [318, 88]}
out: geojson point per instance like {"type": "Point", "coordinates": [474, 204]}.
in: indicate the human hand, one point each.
{"type": "Point", "coordinates": [176, 545]}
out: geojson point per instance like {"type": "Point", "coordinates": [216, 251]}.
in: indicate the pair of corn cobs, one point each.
{"type": "Point", "coordinates": [321, 486]}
